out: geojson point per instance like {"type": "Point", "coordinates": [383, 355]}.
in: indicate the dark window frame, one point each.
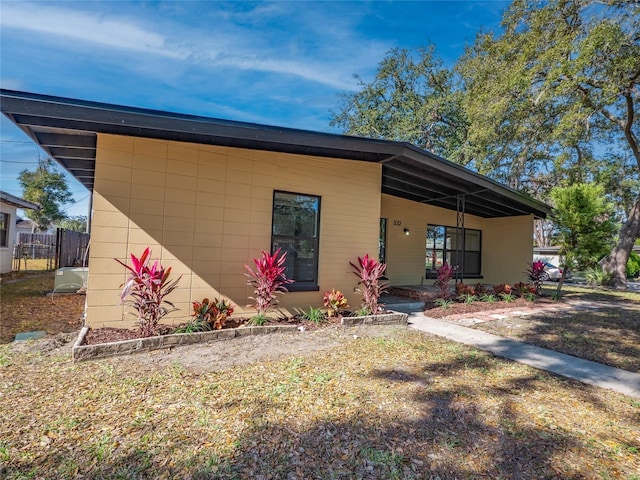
{"type": "Point", "coordinates": [447, 252]}
{"type": "Point", "coordinates": [382, 241]}
{"type": "Point", "coordinates": [307, 285]}
{"type": "Point", "coordinates": [4, 229]}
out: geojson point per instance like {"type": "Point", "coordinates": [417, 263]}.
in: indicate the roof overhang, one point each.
{"type": "Point", "coordinates": [17, 201]}
{"type": "Point", "coordinates": [66, 129]}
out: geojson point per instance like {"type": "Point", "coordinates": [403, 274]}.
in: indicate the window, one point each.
{"type": "Point", "coordinates": [382, 241]}
{"type": "Point", "coordinates": [295, 230]}
{"type": "Point", "coordinates": [4, 229]}
{"type": "Point", "coordinates": [442, 245]}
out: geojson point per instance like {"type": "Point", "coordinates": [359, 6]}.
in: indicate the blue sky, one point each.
{"type": "Point", "coordinates": [276, 63]}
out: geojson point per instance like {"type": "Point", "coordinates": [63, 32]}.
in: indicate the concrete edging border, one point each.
{"type": "Point", "coordinates": [393, 318]}
{"type": "Point", "coordinates": [89, 352]}
{"type": "Point", "coordinates": [82, 352]}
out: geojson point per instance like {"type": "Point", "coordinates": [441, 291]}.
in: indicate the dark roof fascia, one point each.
{"type": "Point", "coordinates": [88, 116]}
{"type": "Point", "coordinates": [107, 118]}
{"type": "Point", "coordinates": [483, 182]}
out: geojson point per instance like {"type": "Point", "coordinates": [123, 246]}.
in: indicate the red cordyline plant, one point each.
{"type": "Point", "coordinates": [147, 285]}
{"type": "Point", "coordinates": [335, 301]}
{"type": "Point", "coordinates": [536, 274]}
{"type": "Point", "coordinates": [268, 280]}
{"type": "Point", "coordinates": [370, 272]}
{"type": "Point", "coordinates": [443, 281]}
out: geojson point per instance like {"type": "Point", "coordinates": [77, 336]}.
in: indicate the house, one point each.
{"type": "Point", "coordinates": [8, 206]}
{"type": "Point", "coordinates": [207, 195]}
{"type": "Point", "coordinates": [24, 225]}
{"type": "Point", "coordinates": [547, 254]}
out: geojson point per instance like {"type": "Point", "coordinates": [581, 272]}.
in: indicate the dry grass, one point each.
{"type": "Point", "coordinates": [26, 307]}
{"type": "Point", "coordinates": [401, 405]}
{"type": "Point", "coordinates": [609, 335]}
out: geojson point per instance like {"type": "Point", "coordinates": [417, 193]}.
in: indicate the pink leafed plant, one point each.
{"type": "Point", "coordinates": [147, 285]}
{"type": "Point", "coordinates": [536, 274]}
{"type": "Point", "coordinates": [371, 285]}
{"type": "Point", "coordinates": [268, 280]}
{"type": "Point", "coordinates": [443, 281]}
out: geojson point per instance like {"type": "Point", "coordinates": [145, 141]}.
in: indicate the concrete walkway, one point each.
{"type": "Point", "coordinates": [603, 376]}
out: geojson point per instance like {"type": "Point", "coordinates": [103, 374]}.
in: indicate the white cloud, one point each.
{"type": "Point", "coordinates": [96, 29]}
{"type": "Point", "coordinates": [273, 38]}
{"type": "Point", "coordinates": [239, 40]}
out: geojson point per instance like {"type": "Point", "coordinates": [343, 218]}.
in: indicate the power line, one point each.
{"type": "Point", "coordinates": [22, 163]}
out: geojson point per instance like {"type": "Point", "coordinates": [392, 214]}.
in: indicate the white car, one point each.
{"type": "Point", "coordinates": [551, 272]}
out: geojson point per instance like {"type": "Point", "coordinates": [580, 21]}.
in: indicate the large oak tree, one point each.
{"type": "Point", "coordinates": [549, 101]}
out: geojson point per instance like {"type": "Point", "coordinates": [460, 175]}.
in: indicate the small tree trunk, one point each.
{"type": "Point", "coordinates": [562, 277]}
{"type": "Point", "coordinates": [616, 262]}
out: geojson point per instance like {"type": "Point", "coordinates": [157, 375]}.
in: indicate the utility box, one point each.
{"type": "Point", "coordinates": [70, 279]}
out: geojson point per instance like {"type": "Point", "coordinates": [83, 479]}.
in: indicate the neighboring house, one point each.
{"type": "Point", "coordinates": [207, 195]}
{"type": "Point", "coordinates": [8, 206]}
{"type": "Point", "coordinates": [24, 225]}
{"type": "Point", "coordinates": [547, 254]}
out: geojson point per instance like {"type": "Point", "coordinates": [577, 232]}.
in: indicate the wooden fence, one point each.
{"type": "Point", "coordinates": [48, 251]}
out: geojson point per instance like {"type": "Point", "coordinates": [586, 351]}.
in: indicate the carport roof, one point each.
{"type": "Point", "coordinates": [67, 130]}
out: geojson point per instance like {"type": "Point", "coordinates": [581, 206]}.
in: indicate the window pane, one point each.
{"type": "Point", "coordinates": [295, 231]}
{"type": "Point", "coordinates": [382, 241]}
{"type": "Point", "coordinates": [435, 236]}
{"type": "Point", "coordinates": [4, 222]}
{"type": "Point", "coordinates": [472, 240]}
{"type": "Point", "coordinates": [431, 259]}
{"type": "Point", "coordinates": [300, 263]}
{"type": "Point", "coordinates": [295, 215]}
{"type": "Point", "coordinates": [453, 242]}
{"type": "Point", "coordinates": [452, 259]}
{"type": "Point", "coordinates": [472, 263]}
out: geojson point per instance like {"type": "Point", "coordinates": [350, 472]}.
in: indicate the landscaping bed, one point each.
{"type": "Point", "coordinates": [107, 342]}
{"type": "Point", "coordinates": [457, 308]}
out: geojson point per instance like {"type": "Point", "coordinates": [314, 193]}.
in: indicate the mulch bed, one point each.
{"type": "Point", "coordinates": [434, 311]}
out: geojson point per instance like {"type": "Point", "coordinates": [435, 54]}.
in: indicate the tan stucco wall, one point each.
{"type": "Point", "coordinates": [6, 253]}
{"type": "Point", "coordinates": [506, 242]}
{"type": "Point", "coordinates": [507, 246]}
{"type": "Point", "coordinates": [206, 212]}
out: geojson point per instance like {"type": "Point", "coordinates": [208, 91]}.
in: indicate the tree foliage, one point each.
{"type": "Point", "coordinates": [559, 81]}
{"type": "Point", "coordinates": [552, 100]}
{"type": "Point", "coordinates": [48, 188]}
{"type": "Point", "coordinates": [585, 223]}
{"type": "Point", "coordinates": [414, 99]}
{"type": "Point", "coordinates": [75, 224]}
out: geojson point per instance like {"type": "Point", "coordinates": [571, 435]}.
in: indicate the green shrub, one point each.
{"type": "Point", "coordinates": [443, 303]}
{"type": "Point", "coordinates": [315, 315]}
{"type": "Point", "coordinates": [633, 265]}
{"type": "Point", "coordinates": [488, 297]}
{"type": "Point", "coordinates": [597, 276]}
{"type": "Point", "coordinates": [467, 298]}
{"type": "Point", "coordinates": [507, 297]}
{"type": "Point", "coordinates": [194, 325]}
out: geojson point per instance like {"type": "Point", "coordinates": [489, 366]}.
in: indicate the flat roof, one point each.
{"type": "Point", "coordinates": [66, 129]}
